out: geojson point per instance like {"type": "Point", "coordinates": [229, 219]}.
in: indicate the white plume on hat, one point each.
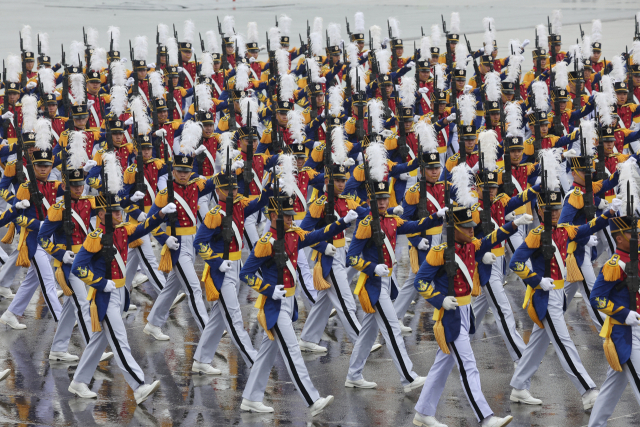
{"type": "Point", "coordinates": [618, 73]}
{"type": "Point", "coordinates": [163, 34]}
{"type": "Point", "coordinates": [27, 42]}
{"type": "Point", "coordinates": [285, 24]}
{"type": "Point", "coordinates": [407, 92]}
{"type": "Point", "coordinates": [395, 28]}
{"type": "Point", "coordinates": [157, 86]}
{"type": "Point", "coordinates": [76, 85]}
{"type": "Point", "coordinates": [252, 32]}
{"type": "Point", "coordinates": [76, 51]}
{"type": "Point", "coordinates": [377, 156]}
{"type": "Point", "coordinates": [206, 66]}
{"type": "Point", "coordinates": [114, 34]}
{"type": "Point", "coordinates": [138, 109]}
{"type": "Point", "coordinates": [462, 54]}
{"type": "Point", "coordinates": [488, 140]}
{"type": "Point", "coordinates": [43, 134]}
{"type": "Point", "coordinates": [493, 86]}
{"type": "Point", "coordinates": [172, 51]}
{"type": "Point", "coordinates": [189, 32]}
{"type": "Point", "coordinates": [295, 123]}
{"type": "Point", "coordinates": [253, 109]}
{"type": "Point", "coordinates": [77, 149]}
{"type": "Point", "coordinates": [359, 23]}
{"type": "Point", "coordinates": [335, 100]}
{"type": "Point", "coordinates": [339, 152]}
{"type": "Point", "coordinates": [227, 145]}
{"type": "Point", "coordinates": [92, 37]}
{"type": "Point", "coordinates": [513, 118]}
{"type": "Point", "coordinates": [588, 132]}
{"type": "Point", "coordinates": [543, 39]}
{"type": "Point", "coordinates": [605, 99]}
{"type": "Point", "coordinates": [352, 55]}
{"type": "Point", "coordinates": [541, 93]}
{"type": "Point", "coordinates": [515, 62]}
{"type": "Point", "coordinates": [113, 172]}
{"type": "Point", "coordinates": [48, 79]}
{"type": "Point", "coordinates": [288, 168]}
{"type": "Point", "coordinates": [212, 42]}
{"type": "Point", "coordinates": [467, 108]}
{"type": "Point", "coordinates": [455, 23]}
{"type": "Point", "coordinates": [314, 69]}
{"type": "Point", "coordinates": [596, 30]}
{"type": "Point", "coordinates": [316, 44]}
{"type": "Point", "coordinates": [436, 35]}
{"type": "Point", "coordinates": [356, 74]}
{"type": "Point", "coordinates": [118, 73]}
{"type": "Point", "coordinates": [203, 96]}
{"type": "Point", "coordinates": [282, 59]}
{"type": "Point", "coordinates": [376, 36]}
{"type": "Point", "coordinates": [333, 31]}
{"type": "Point", "coordinates": [240, 45]}
{"type": "Point", "coordinates": [561, 75]}
{"type": "Point", "coordinates": [14, 68]}
{"type": "Point", "coordinates": [438, 70]}
{"type": "Point", "coordinates": [140, 48]}
{"type": "Point", "coordinates": [383, 56]}
{"type": "Point", "coordinates": [425, 48]}
{"type": "Point", "coordinates": [462, 180]}
{"type": "Point", "coordinates": [317, 25]}
{"type": "Point", "coordinates": [191, 136]}
{"type": "Point", "coordinates": [376, 113]}
{"type": "Point", "coordinates": [44, 43]}
{"type": "Point", "coordinates": [287, 86]}
{"type": "Point", "coordinates": [228, 24]}
{"type": "Point", "coordinates": [426, 134]}
{"type": "Point", "coordinates": [587, 50]}
{"type": "Point", "coordinates": [242, 76]}
{"type": "Point", "coordinates": [274, 38]}
{"type": "Point", "coordinates": [118, 100]}
{"type": "Point", "coordinates": [556, 22]}
{"type": "Point", "coordinates": [628, 174]}
{"type": "Point", "coordinates": [489, 25]}
{"type": "Point", "coordinates": [575, 52]}
{"type": "Point", "coordinates": [98, 59]}
{"type": "Point", "coordinates": [552, 166]}
{"type": "Point", "coordinates": [636, 52]}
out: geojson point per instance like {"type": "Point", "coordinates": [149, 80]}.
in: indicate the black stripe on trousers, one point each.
{"type": "Point", "coordinates": [304, 286]}
{"type": "Point", "coordinates": [465, 382]}
{"type": "Point", "coordinates": [292, 367]}
{"type": "Point", "coordinates": [83, 326]}
{"type": "Point", "coordinates": [192, 297]}
{"type": "Point", "coordinates": [503, 321]}
{"type": "Point", "coordinates": [342, 303]}
{"type": "Point", "coordinates": [588, 292]}
{"type": "Point", "coordinates": [565, 354]}
{"type": "Point", "coordinates": [116, 343]}
{"type": "Point", "coordinates": [634, 374]}
{"type": "Point", "coordinates": [44, 289]}
{"type": "Point", "coordinates": [231, 326]}
{"type": "Point", "coordinates": [394, 344]}
{"type": "Point", "coordinates": [246, 236]}
{"type": "Point", "coordinates": [149, 268]}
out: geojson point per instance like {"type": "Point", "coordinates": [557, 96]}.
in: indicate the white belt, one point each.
{"type": "Point", "coordinates": [427, 100]}
{"type": "Point", "coordinates": [143, 95]}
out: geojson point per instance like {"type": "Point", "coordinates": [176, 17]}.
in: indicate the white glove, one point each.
{"type": "Point", "coordinates": [322, 80]}
{"type": "Point", "coordinates": [31, 85]}
{"type": "Point", "coordinates": [411, 65]}
{"type": "Point", "coordinates": [89, 165]}
{"type": "Point", "coordinates": [172, 243]}
{"type": "Point", "coordinates": [7, 115]}
{"type": "Point", "coordinates": [110, 286]}
{"type": "Point", "coordinates": [365, 55]}
{"type": "Point", "coordinates": [481, 50]}
{"type": "Point", "coordinates": [349, 162]}
{"type": "Point", "coordinates": [129, 121]}
{"type": "Point", "coordinates": [451, 117]}
{"type": "Point", "coordinates": [161, 132]}
{"type": "Point", "coordinates": [278, 293]}
{"type": "Point", "coordinates": [137, 196]}
{"type": "Point", "coordinates": [489, 258]}
{"type": "Point", "coordinates": [237, 164]}
{"type": "Point", "coordinates": [510, 216]}
{"type": "Point", "coordinates": [385, 41]}
{"type": "Point", "coordinates": [90, 103]}
{"type": "Point", "coordinates": [442, 212]}
{"type": "Point", "coordinates": [322, 114]}
{"type": "Point", "coordinates": [593, 241]}
{"type": "Point", "coordinates": [632, 160]}
{"type": "Point", "coordinates": [570, 153]}
{"type": "Point", "coordinates": [546, 283]}
{"type": "Point", "coordinates": [523, 220]}
{"type": "Point", "coordinates": [360, 158]}
{"type": "Point", "coordinates": [141, 217]}
{"type": "Point", "coordinates": [68, 256]}
{"type": "Point", "coordinates": [398, 87]}
{"type": "Point", "coordinates": [615, 205]}
{"type": "Point", "coordinates": [449, 303]}
{"type": "Point", "coordinates": [180, 69]}
{"type": "Point", "coordinates": [381, 270]}
{"type": "Point", "coordinates": [538, 181]}
{"type": "Point", "coordinates": [151, 65]}
{"type": "Point", "coordinates": [225, 266]}
{"type": "Point", "coordinates": [200, 149]}
{"type": "Point", "coordinates": [424, 244]}
{"type": "Point", "coordinates": [23, 204]}
{"type": "Point", "coordinates": [634, 126]}
{"type": "Point", "coordinates": [315, 144]}
{"type": "Point", "coordinates": [467, 89]}
{"type": "Point", "coordinates": [404, 176]}
{"type": "Point", "coordinates": [632, 319]}
{"type": "Point", "coordinates": [330, 250]}
{"type": "Point", "coordinates": [350, 216]}
{"type": "Point", "coordinates": [423, 90]}
{"type": "Point", "coordinates": [169, 209]}
{"type": "Point", "coordinates": [603, 204]}
{"type": "Point", "coordinates": [130, 81]}
{"type": "Point", "coordinates": [416, 118]}
{"type": "Point", "coordinates": [252, 59]}
{"type": "Point", "coordinates": [398, 210]}
{"type": "Point", "coordinates": [475, 167]}
{"type": "Point", "coordinates": [525, 43]}
{"type": "Point", "coordinates": [341, 44]}
{"type": "Point", "coordinates": [124, 60]}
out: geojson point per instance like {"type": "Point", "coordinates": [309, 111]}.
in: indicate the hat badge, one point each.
{"type": "Point", "coordinates": [188, 45]}
{"type": "Point", "coordinates": [623, 84]}
{"type": "Point", "coordinates": [32, 136]}
{"type": "Point", "coordinates": [291, 200]}
{"type": "Point", "coordinates": [341, 168]}
{"type": "Point", "coordinates": [490, 176]}
{"type": "Point", "coordinates": [468, 213]}
{"type": "Point", "coordinates": [118, 123]}
{"type": "Point", "coordinates": [79, 109]}
{"type": "Point", "coordinates": [381, 186]}
{"type": "Point", "coordinates": [469, 128]}
{"type": "Point", "coordinates": [185, 160]}
{"type": "Point", "coordinates": [553, 196]}
{"type": "Point", "coordinates": [45, 154]}
{"type": "Point", "coordinates": [208, 115]}
{"type": "Point", "coordinates": [286, 104]}
{"type": "Point", "coordinates": [145, 138]}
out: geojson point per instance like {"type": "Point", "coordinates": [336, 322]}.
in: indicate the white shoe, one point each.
{"type": "Point", "coordinates": [4, 374]}
{"type": "Point", "coordinates": [360, 384]}
{"type": "Point", "coordinates": [62, 356]}
{"type": "Point", "coordinates": [155, 332]}
{"type": "Point", "coordinates": [10, 319]}
{"type": "Point", "coordinates": [6, 292]}
{"type": "Point", "coordinates": [138, 280]}
{"type": "Point", "coordinates": [179, 298]}
{"type": "Point", "coordinates": [589, 398]}
{"type": "Point", "coordinates": [132, 307]}
{"type": "Point", "coordinates": [375, 347]}
{"type": "Point", "coordinates": [426, 421]}
{"type": "Point", "coordinates": [494, 421]}
{"type": "Point", "coordinates": [405, 329]}
{"type": "Point", "coordinates": [311, 347]}
{"type": "Point", "coordinates": [224, 334]}
{"type": "Point", "coordinates": [204, 368]}
{"type": "Point", "coordinates": [333, 313]}
{"type": "Point", "coordinates": [251, 406]}
{"type": "Point", "coordinates": [106, 356]}
{"type": "Point", "coordinates": [320, 404]}
{"type": "Point", "coordinates": [578, 295]}
{"type": "Point", "coordinates": [523, 396]}
{"type": "Point", "coordinates": [81, 390]}
{"type": "Point", "coordinates": [59, 293]}
{"type": "Point", "coordinates": [417, 383]}
{"type": "Point", "coordinates": [143, 392]}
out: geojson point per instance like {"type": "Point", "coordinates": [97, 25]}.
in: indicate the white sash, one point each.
{"type": "Point", "coordinates": [290, 267]}
{"type": "Point", "coordinates": [255, 76]}
{"type": "Point", "coordinates": [79, 220]}
{"type": "Point", "coordinates": [210, 157]}
{"type": "Point", "coordinates": [635, 99]}
{"type": "Point", "coordinates": [392, 253]}
{"type": "Point", "coordinates": [55, 135]}
{"type": "Point", "coordinates": [149, 189]}
{"type": "Point", "coordinates": [94, 113]}
{"type": "Point", "coordinates": [256, 180]}
{"type": "Point", "coordinates": [516, 183]}
{"type": "Point", "coordinates": [465, 271]}
{"type": "Point", "coordinates": [119, 260]}
{"type": "Point", "coordinates": [143, 95]}
{"type": "Point", "coordinates": [179, 107]}
{"type": "Point", "coordinates": [215, 85]}
{"type": "Point", "coordinates": [433, 200]}
{"type": "Point", "coordinates": [188, 75]}
{"type": "Point", "coordinates": [127, 137]}
{"type": "Point", "coordinates": [559, 260]}
{"type": "Point", "coordinates": [235, 230]}
{"type": "Point", "coordinates": [427, 100]}
{"type": "Point", "coordinates": [302, 198]}
{"type": "Point", "coordinates": [186, 207]}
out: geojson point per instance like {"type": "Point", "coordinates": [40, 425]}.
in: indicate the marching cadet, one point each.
{"type": "Point", "coordinates": [547, 140]}
{"type": "Point", "coordinates": [555, 39]}
{"type": "Point", "coordinates": [538, 53]}
{"type": "Point", "coordinates": [139, 65]}
{"type": "Point", "coordinates": [453, 314]}
{"type": "Point", "coordinates": [13, 115]}
{"type": "Point", "coordinates": [221, 275]}
{"type": "Point", "coordinates": [108, 295]}
{"type": "Point", "coordinates": [80, 114]}
{"type": "Point", "coordinates": [545, 296]}
{"type": "Point", "coordinates": [613, 298]}
{"type": "Point", "coordinates": [179, 92]}
{"type": "Point", "coordinates": [223, 124]}
{"type": "Point", "coordinates": [5, 218]}
{"type": "Point", "coordinates": [277, 304]}
{"type": "Point", "coordinates": [58, 123]}
{"type": "Point", "coordinates": [627, 111]}
{"type": "Point", "coordinates": [124, 153]}
{"type": "Point", "coordinates": [189, 67]}
{"type": "Point", "coordinates": [375, 288]}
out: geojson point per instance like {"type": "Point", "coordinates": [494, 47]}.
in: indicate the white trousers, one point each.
{"type": "Point", "coordinates": [585, 287]}
{"type": "Point", "coordinates": [143, 257]}
{"type": "Point", "coordinates": [74, 308]}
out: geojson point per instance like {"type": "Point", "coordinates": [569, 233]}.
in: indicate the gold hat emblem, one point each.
{"type": "Point", "coordinates": [291, 200]}
{"type": "Point", "coordinates": [399, 41]}
{"type": "Point", "coordinates": [285, 104]}
{"type": "Point", "coordinates": [469, 128]}
{"type": "Point", "coordinates": [623, 84]}
{"type": "Point", "coordinates": [341, 168]}
{"type": "Point", "coordinates": [79, 109]}
{"type": "Point", "coordinates": [45, 154]}
{"type": "Point", "coordinates": [161, 102]}
{"type": "Point", "coordinates": [490, 176]}
{"type": "Point", "coordinates": [32, 136]}
{"type": "Point", "coordinates": [188, 45]}
{"type": "Point", "coordinates": [145, 138]}
{"type": "Point", "coordinates": [12, 85]}
{"type": "Point", "coordinates": [185, 160]}
{"type": "Point", "coordinates": [510, 85]}
{"type": "Point", "coordinates": [381, 186]}
{"type": "Point", "coordinates": [208, 115]}
{"type": "Point", "coordinates": [543, 51]}
{"type": "Point", "coordinates": [609, 130]}
{"type": "Point", "coordinates": [118, 123]}
{"type": "Point", "coordinates": [468, 213]}
{"type": "Point", "coordinates": [553, 196]}
{"type": "Point", "coordinates": [562, 93]}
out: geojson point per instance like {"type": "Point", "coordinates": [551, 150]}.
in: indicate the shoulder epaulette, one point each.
{"type": "Point", "coordinates": [130, 174]}
{"type": "Point", "coordinates": [364, 228]}
{"type": "Point", "coordinates": [611, 270]}
{"type": "Point", "coordinates": [533, 239]}
{"type": "Point", "coordinates": [161, 198]}
{"type": "Point", "coordinates": [317, 207]}
{"type": "Point", "coordinates": [435, 256]}
{"type": "Point", "coordinates": [55, 212]}
{"type": "Point", "coordinates": [452, 161]}
{"type": "Point", "coordinates": [23, 192]}
{"type": "Point", "coordinates": [10, 168]}
{"type": "Point", "coordinates": [412, 197]}
{"type": "Point", "coordinates": [503, 198]}
{"type": "Point", "coordinates": [318, 153]}
{"type": "Point", "coordinates": [93, 242]}
{"type": "Point", "coordinates": [213, 219]}
{"type": "Point", "coordinates": [575, 198]}
{"type": "Point", "coordinates": [263, 247]}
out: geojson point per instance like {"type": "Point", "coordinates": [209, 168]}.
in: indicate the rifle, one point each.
{"type": "Point", "coordinates": [20, 178]}
{"type": "Point", "coordinates": [631, 87]}
{"type": "Point", "coordinates": [631, 269]}
{"type": "Point", "coordinates": [280, 256]}
{"type": "Point", "coordinates": [108, 135]}
{"type": "Point", "coordinates": [422, 204]}
{"type": "Point", "coordinates": [451, 267]}
{"type": "Point", "coordinates": [449, 54]}
{"type": "Point", "coordinates": [537, 142]}
{"type": "Point", "coordinates": [589, 208]}
{"type": "Point", "coordinates": [108, 250]}
{"type": "Point", "coordinates": [557, 122]}
{"type": "Point", "coordinates": [233, 125]}
{"type": "Point", "coordinates": [224, 62]}
{"type": "Point", "coordinates": [538, 59]}
{"type": "Point", "coordinates": [485, 213]}
{"type": "Point", "coordinates": [403, 149]}
{"type": "Point", "coordinates": [140, 185]}
{"type": "Point", "coordinates": [158, 64]}
{"type": "Point", "coordinates": [377, 235]}
{"type": "Point", "coordinates": [507, 183]}
{"type": "Point", "coordinates": [36, 195]}
{"type": "Point", "coordinates": [348, 90]}
{"type": "Point", "coordinates": [227, 220]}
{"type": "Point", "coordinates": [360, 110]}
{"type": "Point", "coordinates": [394, 55]}
{"type": "Point", "coordinates": [548, 250]}
{"type": "Point", "coordinates": [67, 223]}
{"type": "Point", "coordinates": [171, 220]}
{"type": "Point", "coordinates": [329, 207]}
{"type": "Point", "coordinates": [135, 89]}
{"type": "Point", "coordinates": [175, 35]}
{"type": "Point", "coordinates": [417, 77]}
{"type": "Point", "coordinates": [552, 51]}
{"type": "Point", "coordinates": [461, 148]}
{"type": "Point", "coordinates": [581, 32]}
{"type": "Point", "coordinates": [23, 76]}
{"type": "Point", "coordinates": [171, 101]}
{"type": "Point", "coordinates": [5, 105]}
{"type": "Point", "coordinates": [348, 29]}
{"type": "Point", "coordinates": [478, 79]}
{"type": "Point", "coordinates": [600, 166]}
{"type": "Point", "coordinates": [247, 173]}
